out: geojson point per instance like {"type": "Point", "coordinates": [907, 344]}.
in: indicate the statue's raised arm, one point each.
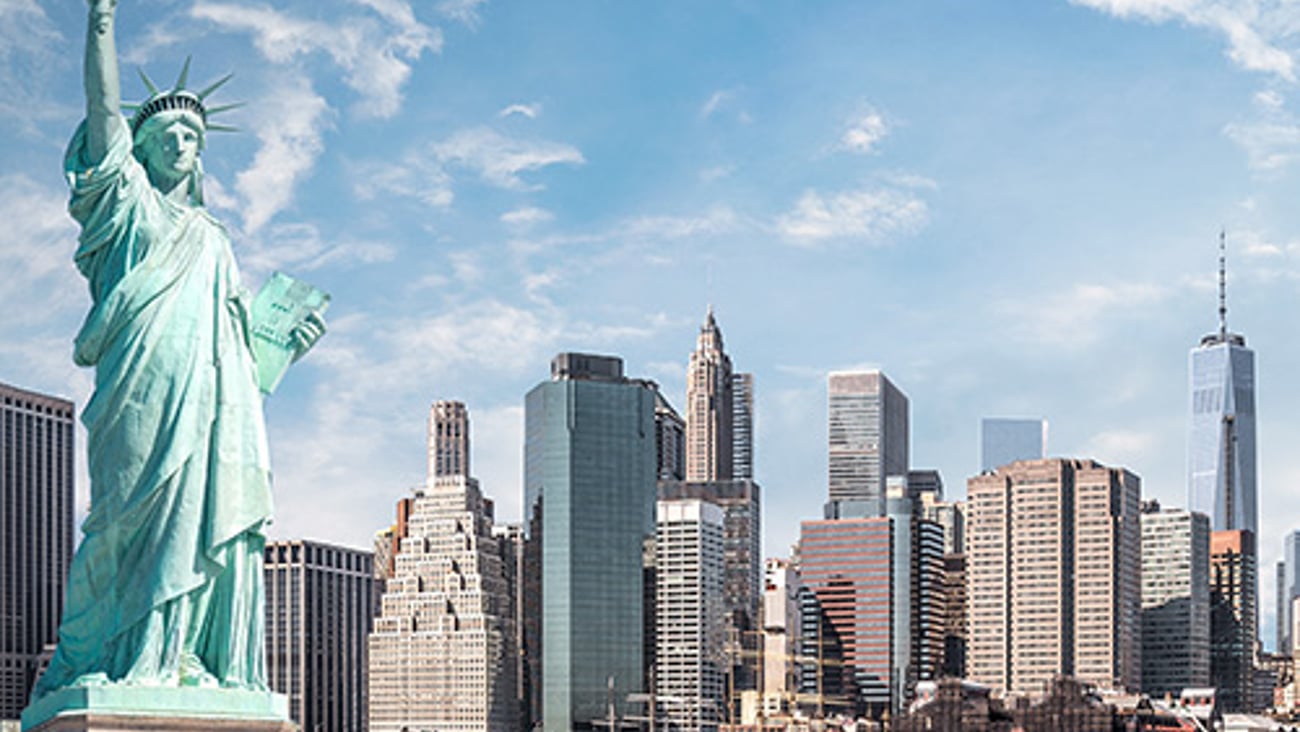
{"type": "Point", "coordinates": [103, 90]}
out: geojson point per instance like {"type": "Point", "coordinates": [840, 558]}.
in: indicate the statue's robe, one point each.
{"type": "Point", "coordinates": [166, 586]}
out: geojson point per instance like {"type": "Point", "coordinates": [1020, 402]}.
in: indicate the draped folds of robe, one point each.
{"type": "Point", "coordinates": [166, 585]}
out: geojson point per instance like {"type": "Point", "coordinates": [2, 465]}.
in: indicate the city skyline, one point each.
{"type": "Point", "coordinates": [834, 224]}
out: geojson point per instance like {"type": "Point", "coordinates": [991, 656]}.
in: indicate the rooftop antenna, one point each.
{"type": "Point", "coordinates": [1223, 289]}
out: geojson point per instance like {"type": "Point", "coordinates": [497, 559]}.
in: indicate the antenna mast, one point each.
{"type": "Point", "coordinates": [1223, 290]}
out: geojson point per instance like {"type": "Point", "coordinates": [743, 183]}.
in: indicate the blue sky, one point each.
{"type": "Point", "coordinates": [1012, 208]}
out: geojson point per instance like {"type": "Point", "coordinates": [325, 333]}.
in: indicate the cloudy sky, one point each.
{"type": "Point", "coordinates": [1011, 207]}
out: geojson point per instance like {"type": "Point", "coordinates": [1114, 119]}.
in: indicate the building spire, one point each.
{"type": "Point", "coordinates": [1223, 288]}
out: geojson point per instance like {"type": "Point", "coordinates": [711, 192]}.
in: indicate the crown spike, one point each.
{"type": "Point", "coordinates": [185, 75]}
{"type": "Point", "coordinates": [223, 108]}
{"type": "Point", "coordinates": [221, 128]}
{"type": "Point", "coordinates": [148, 83]}
{"type": "Point", "coordinates": [131, 106]}
{"type": "Point", "coordinates": [213, 87]}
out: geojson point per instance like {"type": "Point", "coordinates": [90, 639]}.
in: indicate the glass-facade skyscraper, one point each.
{"type": "Point", "coordinates": [1221, 434]}
{"type": "Point", "coordinates": [589, 508]}
{"type": "Point", "coordinates": [867, 433]}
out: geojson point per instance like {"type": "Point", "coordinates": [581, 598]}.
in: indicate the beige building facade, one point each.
{"type": "Point", "coordinates": [1054, 552]}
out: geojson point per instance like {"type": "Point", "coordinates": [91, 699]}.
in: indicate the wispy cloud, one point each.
{"type": "Point", "coordinates": [1271, 141]}
{"type": "Point", "coordinates": [531, 111]}
{"type": "Point", "coordinates": [36, 242]}
{"type": "Point", "coordinates": [375, 51]}
{"type": "Point", "coordinates": [301, 248]}
{"type": "Point", "coordinates": [289, 125]}
{"type": "Point", "coordinates": [501, 160]}
{"type": "Point", "coordinates": [873, 215]}
{"type": "Point", "coordinates": [1073, 319]}
{"type": "Point", "coordinates": [1253, 29]}
{"type": "Point", "coordinates": [864, 131]}
{"type": "Point", "coordinates": [32, 51]}
{"type": "Point", "coordinates": [724, 99]}
{"type": "Point", "coordinates": [463, 11]}
{"type": "Point", "coordinates": [526, 217]}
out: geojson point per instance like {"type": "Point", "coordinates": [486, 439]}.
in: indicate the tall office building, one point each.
{"type": "Point", "coordinates": [709, 407]}
{"type": "Point", "coordinates": [1233, 584]}
{"type": "Point", "coordinates": [589, 479]}
{"type": "Point", "coordinates": [918, 588]}
{"type": "Point", "coordinates": [1221, 438]}
{"type": "Point", "coordinates": [443, 653]}
{"type": "Point", "coordinates": [868, 441]}
{"type": "Point", "coordinates": [847, 638]}
{"type": "Point", "coordinates": [1288, 589]}
{"type": "Point", "coordinates": [670, 435]}
{"type": "Point", "coordinates": [689, 635]}
{"type": "Point", "coordinates": [955, 614]}
{"type": "Point", "coordinates": [448, 439]}
{"type": "Point", "coordinates": [740, 501]}
{"type": "Point", "coordinates": [1005, 440]}
{"type": "Point", "coordinates": [319, 605]}
{"type": "Point", "coordinates": [36, 539]}
{"type": "Point", "coordinates": [743, 424]}
{"type": "Point", "coordinates": [1054, 570]}
{"type": "Point", "coordinates": [1175, 600]}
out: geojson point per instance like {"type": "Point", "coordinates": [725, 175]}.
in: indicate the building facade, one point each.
{"type": "Point", "coordinates": [1221, 434]}
{"type": "Point", "coordinates": [36, 534]}
{"type": "Point", "coordinates": [1233, 605]}
{"type": "Point", "coordinates": [780, 618]}
{"type": "Point", "coordinates": [1004, 440]}
{"type": "Point", "coordinates": [1175, 601]}
{"type": "Point", "coordinates": [709, 407]}
{"type": "Point", "coordinates": [444, 652]}
{"type": "Point", "coordinates": [689, 634]}
{"type": "Point", "coordinates": [319, 607]}
{"type": "Point", "coordinates": [868, 441]}
{"type": "Point", "coordinates": [1288, 589]}
{"type": "Point", "coordinates": [589, 480]}
{"type": "Point", "coordinates": [847, 638]}
{"type": "Point", "coordinates": [743, 424]}
{"type": "Point", "coordinates": [1054, 575]}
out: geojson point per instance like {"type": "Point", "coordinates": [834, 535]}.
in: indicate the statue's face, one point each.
{"type": "Point", "coordinates": [171, 153]}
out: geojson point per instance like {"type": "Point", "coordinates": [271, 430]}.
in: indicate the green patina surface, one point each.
{"type": "Point", "coordinates": [160, 702]}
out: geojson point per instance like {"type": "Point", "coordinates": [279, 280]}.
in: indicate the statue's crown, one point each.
{"type": "Point", "coordinates": [178, 98]}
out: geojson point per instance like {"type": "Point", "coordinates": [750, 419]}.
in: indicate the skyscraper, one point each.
{"type": "Point", "coordinates": [1175, 600]}
{"type": "Point", "coordinates": [1221, 437]}
{"type": "Point", "coordinates": [742, 426]}
{"type": "Point", "coordinates": [448, 439]}
{"type": "Point", "coordinates": [319, 605]}
{"type": "Point", "coordinates": [670, 434]}
{"type": "Point", "coordinates": [1233, 584]}
{"type": "Point", "coordinates": [589, 479]}
{"type": "Point", "coordinates": [443, 653]}
{"type": "Point", "coordinates": [868, 441]}
{"type": "Point", "coordinates": [1054, 574]}
{"type": "Point", "coordinates": [847, 637]}
{"type": "Point", "coordinates": [36, 510]}
{"type": "Point", "coordinates": [709, 406]}
{"type": "Point", "coordinates": [689, 636]}
{"type": "Point", "coordinates": [1005, 440]}
{"type": "Point", "coordinates": [781, 625]}
{"type": "Point", "coordinates": [1288, 589]}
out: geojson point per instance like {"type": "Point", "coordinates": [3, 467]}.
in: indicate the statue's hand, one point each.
{"type": "Point", "coordinates": [306, 333]}
{"type": "Point", "coordinates": [101, 6]}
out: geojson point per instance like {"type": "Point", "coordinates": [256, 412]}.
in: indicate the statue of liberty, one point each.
{"type": "Point", "coordinates": [165, 589]}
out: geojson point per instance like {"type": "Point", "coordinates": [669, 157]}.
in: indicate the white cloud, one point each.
{"type": "Point", "coordinates": [716, 172]}
{"type": "Point", "coordinates": [526, 217]}
{"type": "Point", "coordinates": [1270, 145]}
{"type": "Point", "coordinates": [873, 214]}
{"type": "Point", "coordinates": [716, 100]}
{"type": "Point", "coordinates": [32, 52]}
{"type": "Point", "coordinates": [289, 123]}
{"type": "Point", "coordinates": [864, 132]}
{"type": "Point", "coordinates": [464, 11]}
{"type": "Point", "coordinates": [301, 248]}
{"type": "Point", "coordinates": [531, 111]}
{"type": "Point", "coordinates": [1074, 318]}
{"type": "Point", "coordinates": [718, 220]}
{"type": "Point", "coordinates": [500, 160]}
{"type": "Point", "coordinates": [375, 51]}
{"type": "Point", "coordinates": [417, 177]}
{"type": "Point", "coordinates": [1253, 28]}
{"type": "Point", "coordinates": [36, 245]}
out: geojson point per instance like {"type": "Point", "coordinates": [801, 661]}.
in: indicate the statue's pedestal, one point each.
{"type": "Point", "coordinates": [146, 709]}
